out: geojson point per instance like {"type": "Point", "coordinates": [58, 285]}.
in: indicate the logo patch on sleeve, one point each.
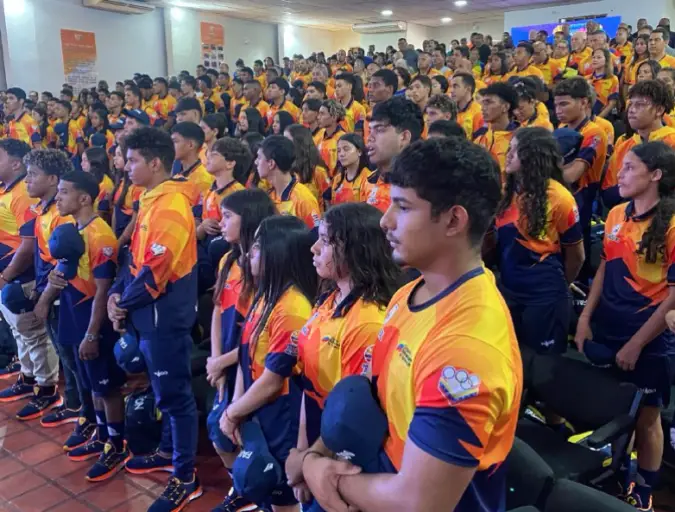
{"type": "Point", "coordinates": [458, 384]}
{"type": "Point", "coordinates": [107, 252]}
{"type": "Point", "coordinates": [157, 249]}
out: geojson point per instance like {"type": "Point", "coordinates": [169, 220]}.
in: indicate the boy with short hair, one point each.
{"type": "Point", "coordinates": [70, 135]}
{"type": "Point", "coordinates": [498, 103]}
{"type": "Point", "coordinates": [276, 93]}
{"type": "Point", "coordinates": [188, 140]}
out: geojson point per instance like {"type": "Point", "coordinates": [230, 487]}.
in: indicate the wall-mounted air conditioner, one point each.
{"type": "Point", "coordinates": [380, 28]}
{"type": "Point", "coordinates": [120, 6]}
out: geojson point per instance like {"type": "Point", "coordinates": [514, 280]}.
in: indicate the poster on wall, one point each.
{"type": "Point", "coordinates": [79, 58]}
{"type": "Point", "coordinates": [213, 44]}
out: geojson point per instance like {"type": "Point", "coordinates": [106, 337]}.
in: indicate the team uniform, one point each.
{"type": "Point", "coordinates": [608, 128]}
{"type": "Point", "coordinates": [624, 52]}
{"type": "Point", "coordinates": [667, 61]}
{"type": "Point", "coordinates": [109, 140]}
{"type": "Point", "coordinates": [159, 291]}
{"type": "Point", "coordinates": [449, 378]}
{"type": "Point", "coordinates": [632, 290]}
{"type": "Point", "coordinates": [530, 70]}
{"type": "Point", "coordinates": [164, 107]}
{"type": "Point", "coordinates": [538, 120]}
{"type": "Point", "coordinates": [286, 106]}
{"type": "Point", "coordinates": [297, 200]}
{"type": "Point", "coordinates": [319, 185]}
{"type": "Point", "coordinates": [124, 207]}
{"type": "Point", "coordinates": [551, 70]}
{"type": "Point", "coordinates": [215, 195]}
{"type": "Point", "coordinates": [198, 182]}
{"type": "Point", "coordinates": [354, 118]}
{"type": "Point", "coordinates": [105, 194]}
{"type": "Point", "coordinates": [262, 107]}
{"type": "Point", "coordinates": [606, 89]}
{"type": "Point", "coordinates": [275, 350]}
{"type": "Point", "coordinates": [576, 58]}
{"type": "Point", "coordinates": [376, 191]}
{"type": "Point", "coordinates": [496, 142]}
{"type": "Point", "coordinates": [24, 128]}
{"type": "Point", "coordinates": [344, 190]}
{"type": "Point", "coordinates": [328, 149]}
{"type": "Point", "coordinates": [73, 137]}
{"type": "Point", "coordinates": [532, 273]}
{"type": "Point", "coordinates": [470, 118]}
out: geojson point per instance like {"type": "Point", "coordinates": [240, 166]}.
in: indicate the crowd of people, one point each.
{"type": "Point", "coordinates": [372, 237]}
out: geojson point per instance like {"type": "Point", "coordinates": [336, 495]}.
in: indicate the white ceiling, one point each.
{"type": "Point", "coordinates": [341, 14]}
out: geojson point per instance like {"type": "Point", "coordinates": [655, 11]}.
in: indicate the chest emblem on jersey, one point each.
{"type": "Point", "coordinates": [457, 384]}
{"type": "Point", "coordinates": [404, 353]}
{"type": "Point", "coordinates": [614, 234]}
{"type": "Point", "coordinates": [107, 252]}
{"type": "Point", "coordinates": [372, 197]}
{"type": "Point", "coordinates": [157, 249]}
{"type": "Point", "coordinates": [331, 341]}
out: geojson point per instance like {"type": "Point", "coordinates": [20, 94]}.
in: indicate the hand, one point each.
{"type": "Point", "coordinates": [583, 333]}
{"type": "Point", "coordinates": [670, 320]}
{"type": "Point", "coordinates": [302, 493]}
{"type": "Point", "coordinates": [56, 279]}
{"type": "Point", "coordinates": [88, 350]}
{"type": "Point", "coordinates": [211, 226]}
{"type": "Point", "coordinates": [628, 356]}
{"type": "Point", "coordinates": [41, 311]}
{"type": "Point", "coordinates": [118, 326]}
{"type": "Point", "coordinates": [322, 475]}
{"type": "Point", "coordinates": [115, 313]}
{"type": "Point", "coordinates": [230, 427]}
{"type": "Point", "coordinates": [294, 467]}
{"type": "Point", "coordinates": [213, 370]}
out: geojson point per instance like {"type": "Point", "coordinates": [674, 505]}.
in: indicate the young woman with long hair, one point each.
{"type": "Point", "coordinates": [95, 161]}
{"type": "Point", "coordinates": [282, 120]}
{"type": "Point", "coordinates": [498, 69]}
{"type": "Point", "coordinates": [250, 121]}
{"type": "Point", "coordinates": [281, 264]}
{"type": "Point", "coordinates": [352, 256]}
{"type": "Point", "coordinates": [539, 246]}
{"type": "Point", "coordinates": [40, 116]}
{"type": "Point", "coordinates": [352, 170]}
{"type": "Point", "coordinates": [528, 113]}
{"type": "Point", "coordinates": [625, 313]}
{"type": "Point", "coordinates": [98, 123]}
{"type": "Point", "coordinates": [640, 54]}
{"type": "Point", "coordinates": [214, 126]}
{"type": "Point", "coordinates": [309, 167]}
{"type": "Point", "coordinates": [242, 212]}
{"type": "Point", "coordinates": [125, 198]}
{"type": "Point", "coordinates": [605, 84]}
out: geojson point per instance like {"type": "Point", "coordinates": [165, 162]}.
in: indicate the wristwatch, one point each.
{"type": "Point", "coordinates": [91, 337]}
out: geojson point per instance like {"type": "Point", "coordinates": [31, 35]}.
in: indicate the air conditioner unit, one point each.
{"type": "Point", "coordinates": [120, 6]}
{"type": "Point", "coordinates": [380, 28]}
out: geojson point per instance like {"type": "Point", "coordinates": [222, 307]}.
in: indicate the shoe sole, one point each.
{"type": "Point", "coordinates": [80, 458]}
{"type": "Point", "coordinates": [193, 496]}
{"type": "Point", "coordinates": [69, 449]}
{"type": "Point", "coordinates": [110, 473]}
{"type": "Point", "coordinates": [55, 424]}
{"type": "Point", "coordinates": [41, 413]}
{"type": "Point", "coordinates": [166, 469]}
{"type": "Point", "coordinates": [15, 398]}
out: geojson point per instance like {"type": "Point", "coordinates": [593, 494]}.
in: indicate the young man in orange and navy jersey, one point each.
{"type": "Point", "coordinates": [21, 125]}
{"type": "Point", "coordinates": [469, 113]}
{"type": "Point", "coordinates": [155, 299]}
{"type": "Point", "coordinates": [70, 136]}
{"type": "Point", "coordinates": [84, 328]}
{"type": "Point", "coordinates": [310, 118]}
{"type": "Point", "coordinates": [622, 46]}
{"type": "Point", "coordinates": [164, 103]}
{"type": "Point", "coordinates": [253, 95]}
{"type": "Point", "coordinates": [623, 326]}
{"type": "Point", "coordinates": [425, 64]}
{"type": "Point", "coordinates": [274, 163]}
{"type": "Point", "coordinates": [395, 124]}
{"type": "Point", "coordinates": [572, 97]}
{"type": "Point", "coordinates": [320, 74]}
{"type": "Point", "coordinates": [331, 115]}
{"type": "Point", "coordinates": [188, 139]}
{"type": "Point", "coordinates": [658, 40]}
{"type": "Point", "coordinates": [449, 383]}
{"type": "Point", "coordinates": [115, 109]}
{"type": "Point", "coordinates": [648, 102]}
{"type": "Point", "coordinates": [498, 103]}
{"type": "Point", "coordinates": [133, 98]}
{"type": "Point", "coordinates": [419, 92]}
{"type": "Point", "coordinates": [551, 70]}
{"type": "Point", "coordinates": [212, 101]}
{"type": "Point", "coordinates": [37, 361]}
{"type": "Point", "coordinates": [276, 94]}
{"type": "Point", "coordinates": [355, 112]}
{"type": "Point", "coordinates": [523, 59]}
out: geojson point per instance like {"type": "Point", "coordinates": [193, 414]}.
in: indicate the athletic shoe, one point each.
{"type": "Point", "coordinates": [82, 433]}
{"type": "Point", "coordinates": [635, 500]}
{"type": "Point", "coordinates": [12, 368]}
{"type": "Point", "coordinates": [39, 404]}
{"type": "Point", "coordinates": [108, 464]}
{"type": "Point", "coordinates": [143, 464]}
{"type": "Point", "coordinates": [91, 449]}
{"type": "Point", "coordinates": [60, 416]}
{"type": "Point", "coordinates": [16, 391]}
{"type": "Point", "coordinates": [235, 503]}
{"type": "Point", "coordinates": [177, 495]}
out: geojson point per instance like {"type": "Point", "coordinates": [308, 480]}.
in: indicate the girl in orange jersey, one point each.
{"type": "Point", "coordinates": [527, 113]}
{"type": "Point", "coordinates": [309, 167]}
{"type": "Point", "coordinates": [498, 68]}
{"type": "Point", "coordinates": [640, 54]}
{"type": "Point", "coordinates": [95, 161]}
{"type": "Point", "coordinates": [352, 170]}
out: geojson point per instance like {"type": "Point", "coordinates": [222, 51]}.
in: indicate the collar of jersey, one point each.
{"type": "Point", "coordinates": [343, 308]}
{"type": "Point", "coordinates": [223, 188]}
{"type": "Point", "coordinates": [12, 184]}
{"type": "Point", "coordinates": [454, 286]}
{"type": "Point", "coordinates": [630, 209]}
{"type": "Point", "coordinates": [286, 194]}
{"type": "Point", "coordinates": [187, 172]}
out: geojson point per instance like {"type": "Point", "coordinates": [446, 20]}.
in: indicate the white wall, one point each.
{"type": "Point", "coordinates": [248, 40]}
{"type": "Point", "coordinates": [125, 44]}
{"type": "Point", "coordinates": [446, 33]}
{"type": "Point", "coordinates": [305, 40]}
{"type": "Point", "coordinates": [381, 41]}
{"type": "Point", "coordinates": [416, 34]}
{"type": "Point", "coordinates": [629, 10]}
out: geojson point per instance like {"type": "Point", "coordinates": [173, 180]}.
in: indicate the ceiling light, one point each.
{"type": "Point", "coordinates": [461, 3]}
{"type": "Point", "coordinates": [387, 12]}
{"type": "Point", "coordinates": [446, 20]}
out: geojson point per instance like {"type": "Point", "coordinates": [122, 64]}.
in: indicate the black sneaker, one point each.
{"type": "Point", "coordinates": [60, 416]}
{"type": "Point", "coordinates": [41, 402]}
{"type": "Point", "coordinates": [83, 432]}
{"type": "Point", "coordinates": [17, 391]}
{"type": "Point", "coordinates": [108, 464]}
{"type": "Point", "coordinates": [235, 503]}
{"type": "Point", "coordinates": [177, 495]}
{"type": "Point", "coordinates": [13, 368]}
{"type": "Point", "coordinates": [143, 464]}
{"type": "Point", "coordinates": [89, 450]}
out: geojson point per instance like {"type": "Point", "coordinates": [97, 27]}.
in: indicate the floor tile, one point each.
{"type": "Point", "coordinates": [57, 467]}
{"type": "Point", "coordinates": [111, 493]}
{"type": "Point", "coordinates": [149, 481]}
{"type": "Point", "coordinates": [71, 506]}
{"type": "Point", "coordinates": [19, 483]}
{"type": "Point", "coordinates": [10, 466]}
{"type": "Point", "coordinates": [138, 504]}
{"type": "Point", "coordinates": [39, 453]}
{"type": "Point", "coordinates": [18, 442]}
{"type": "Point", "coordinates": [75, 482]}
{"type": "Point", "coordinates": [10, 426]}
{"type": "Point", "coordinates": [40, 499]}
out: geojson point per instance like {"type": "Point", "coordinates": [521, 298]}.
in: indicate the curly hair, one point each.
{"type": "Point", "coordinates": [658, 92]}
{"type": "Point", "coordinates": [443, 103]}
{"type": "Point", "coordinates": [51, 161]}
{"type": "Point", "coordinates": [540, 161]}
{"type": "Point", "coordinates": [307, 156]}
{"type": "Point", "coordinates": [658, 156]}
{"type": "Point", "coordinates": [153, 143]}
{"type": "Point", "coordinates": [335, 109]}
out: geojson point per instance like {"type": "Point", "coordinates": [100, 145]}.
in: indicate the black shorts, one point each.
{"type": "Point", "coordinates": [653, 375]}
{"type": "Point", "coordinates": [543, 328]}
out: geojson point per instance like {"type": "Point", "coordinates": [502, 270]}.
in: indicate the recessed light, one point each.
{"type": "Point", "coordinates": [446, 20]}
{"type": "Point", "coordinates": [387, 12]}
{"type": "Point", "coordinates": [461, 3]}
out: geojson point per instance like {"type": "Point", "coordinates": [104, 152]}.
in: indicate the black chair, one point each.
{"type": "Point", "coordinates": [529, 479]}
{"type": "Point", "coordinates": [591, 400]}
{"type": "Point", "coordinates": [568, 496]}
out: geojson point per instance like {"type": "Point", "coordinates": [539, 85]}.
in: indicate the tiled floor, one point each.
{"type": "Point", "coordinates": [36, 476]}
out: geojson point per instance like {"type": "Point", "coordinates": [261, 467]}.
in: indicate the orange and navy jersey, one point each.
{"type": "Point", "coordinates": [102, 203]}
{"type": "Point", "coordinates": [668, 61]}
{"type": "Point", "coordinates": [75, 137]}
{"type": "Point", "coordinates": [109, 140]}
{"type": "Point", "coordinates": [198, 183]}
{"type": "Point", "coordinates": [164, 106]}
{"type": "Point", "coordinates": [319, 185]}
{"type": "Point", "coordinates": [606, 90]}
{"type": "Point", "coordinates": [215, 195]}
{"type": "Point", "coordinates": [299, 201]}
{"type": "Point", "coordinates": [47, 219]}
{"type": "Point", "coordinates": [81, 121]}
{"type": "Point", "coordinates": [236, 106]}
{"type": "Point", "coordinates": [376, 191]}
{"type": "Point", "coordinates": [471, 118]}
{"type": "Point", "coordinates": [561, 63]}
{"type": "Point", "coordinates": [99, 261]}
{"type": "Point", "coordinates": [609, 188]}
{"type": "Point", "coordinates": [354, 118]}
{"type": "Point", "coordinates": [493, 79]}
{"type": "Point", "coordinates": [24, 128]}
{"type": "Point", "coordinates": [530, 70]}
{"type": "Point", "coordinates": [124, 209]}
{"type": "Point", "coordinates": [262, 106]}
{"type": "Point", "coordinates": [216, 100]}
{"type": "Point", "coordinates": [631, 68]}
{"type": "Point", "coordinates": [328, 149]}
{"type": "Point", "coordinates": [262, 80]}
{"type": "Point", "coordinates": [317, 135]}
{"type": "Point", "coordinates": [449, 378]}
{"type": "Point", "coordinates": [307, 78]}
{"type": "Point", "coordinates": [430, 73]}
{"type": "Point", "coordinates": [16, 209]}
{"type": "Point", "coordinates": [160, 287]}
{"type": "Point", "coordinates": [625, 51]}
{"type": "Point", "coordinates": [286, 106]}
{"type": "Point", "coordinates": [496, 142]}
{"type": "Point", "coordinates": [532, 269]}
{"type": "Point", "coordinates": [608, 128]}
{"type": "Point", "coordinates": [576, 58]}
{"type": "Point", "coordinates": [538, 120]}
{"type": "Point", "coordinates": [337, 341]}
{"type": "Point", "coordinates": [551, 70]}
{"type": "Point", "coordinates": [586, 67]}
{"type": "Point", "coordinates": [345, 191]}
{"type": "Point", "coordinates": [633, 288]}
{"type": "Point", "coordinates": [115, 119]}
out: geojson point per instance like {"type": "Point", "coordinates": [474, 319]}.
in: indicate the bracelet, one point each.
{"type": "Point", "coordinates": [91, 337]}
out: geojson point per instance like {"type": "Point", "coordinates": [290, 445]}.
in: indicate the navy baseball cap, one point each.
{"type": "Point", "coordinates": [213, 425]}
{"type": "Point", "coordinates": [599, 354]}
{"type": "Point", "coordinates": [138, 115]}
{"type": "Point", "coordinates": [14, 298]}
{"type": "Point", "coordinates": [353, 426]}
{"type": "Point", "coordinates": [255, 472]}
{"type": "Point", "coordinates": [98, 140]}
{"type": "Point", "coordinates": [67, 246]}
{"type": "Point", "coordinates": [569, 142]}
{"type": "Point", "coordinates": [61, 129]}
{"type": "Point", "coordinates": [128, 354]}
